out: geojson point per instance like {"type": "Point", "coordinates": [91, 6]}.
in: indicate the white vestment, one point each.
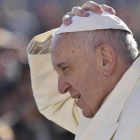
{"type": "Point", "coordinates": [117, 119]}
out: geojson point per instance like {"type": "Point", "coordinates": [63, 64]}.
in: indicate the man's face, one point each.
{"type": "Point", "coordinates": [78, 74]}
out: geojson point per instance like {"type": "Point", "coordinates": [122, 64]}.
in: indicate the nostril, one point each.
{"type": "Point", "coordinates": [66, 90]}
{"type": "Point", "coordinates": [63, 87]}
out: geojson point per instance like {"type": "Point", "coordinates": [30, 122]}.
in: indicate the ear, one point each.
{"type": "Point", "coordinates": [107, 57]}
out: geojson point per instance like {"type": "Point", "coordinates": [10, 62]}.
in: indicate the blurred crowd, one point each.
{"type": "Point", "coordinates": [20, 21]}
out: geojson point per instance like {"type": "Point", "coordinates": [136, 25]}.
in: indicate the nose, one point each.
{"type": "Point", "coordinates": [63, 86]}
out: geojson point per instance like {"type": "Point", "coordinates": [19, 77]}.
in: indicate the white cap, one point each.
{"type": "Point", "coordinates": [93, 22]}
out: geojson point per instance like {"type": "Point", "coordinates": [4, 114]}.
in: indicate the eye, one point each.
{"type": "Point", "coordinates": [64, 68]}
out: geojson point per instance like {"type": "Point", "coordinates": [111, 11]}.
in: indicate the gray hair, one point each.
{"type": "Point", "coordinates": [121, 41]}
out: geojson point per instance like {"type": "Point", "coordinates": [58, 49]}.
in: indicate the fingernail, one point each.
{"type": "Point", "coordinates": [99, 11]}
{"type": "Point", "coordinates": [86, 14]}
{"type": "Point", "coordinates": [113, 11]}
{"type": "Point", "coordinates": [67, 23]}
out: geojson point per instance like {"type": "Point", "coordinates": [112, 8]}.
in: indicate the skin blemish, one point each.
{"type": "Point", "coordinates": [72, 51]}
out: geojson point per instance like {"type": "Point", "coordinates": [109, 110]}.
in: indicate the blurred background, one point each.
{"type": "Point", "coordinates": [20, 21]}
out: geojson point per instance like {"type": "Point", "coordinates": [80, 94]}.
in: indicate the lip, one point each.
{"type": "Point", "coordinates": [75, 96]}
{"type": "Point", "coordinates": [77, 101]}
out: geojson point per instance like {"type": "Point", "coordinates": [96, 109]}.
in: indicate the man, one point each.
{"type": "Point", "coordinates": [99, 66]}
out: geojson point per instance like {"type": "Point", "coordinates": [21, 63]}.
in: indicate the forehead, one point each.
{"type": "Point", "coordinates": [62, 41]}
{"type": "Point", "coordinates": [64, 49]}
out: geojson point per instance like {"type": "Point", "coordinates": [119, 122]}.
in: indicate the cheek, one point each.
{"type": "Point", "coordinates": [89, 86]}
{"type": "Point", "coordinates": [85, 80]}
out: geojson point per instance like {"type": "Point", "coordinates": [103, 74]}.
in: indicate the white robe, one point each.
{"type": "Point", "coordinates": [117, 119]}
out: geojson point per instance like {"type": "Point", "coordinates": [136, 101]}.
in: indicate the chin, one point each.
{"type": "Point", "coordinates": [88, 114]}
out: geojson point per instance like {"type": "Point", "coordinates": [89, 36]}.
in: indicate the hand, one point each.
{"type": "Point", "coordinates": [81, 11]}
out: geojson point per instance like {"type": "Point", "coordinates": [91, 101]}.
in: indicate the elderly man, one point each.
{"type": "Point", "coordinates": [96, 59]}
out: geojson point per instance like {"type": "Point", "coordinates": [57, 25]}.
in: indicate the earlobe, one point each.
{"type": "Point", "coordinates": [107, 58]}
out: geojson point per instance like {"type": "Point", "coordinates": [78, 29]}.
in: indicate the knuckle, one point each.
{"type": "Point", "coordinates": [96, 7]}
{"type": "Point", "coordinates": [73, 9]}
{"type": "Point", "coordinates": [106, 7]}
{"type": "Point", "coordinates": [110, 9]}
{"type": "Point", "coordinates": [78, 7]}
{"type": "Point", "coordinates": [81, 10]}
{"type": "Point", "coordinates": [90, 1]}
{"type": "Point", "coordinates": [66, 18]}
{"type": "Point", "coordinates": [78, 11]}
{"type": "Point", "coordinates": [103, 5]}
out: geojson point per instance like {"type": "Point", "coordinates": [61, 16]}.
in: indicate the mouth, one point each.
{"type": "Point", "coordinates": [75, 96]}
{"type": "Point", "coordinates": [77, 99]}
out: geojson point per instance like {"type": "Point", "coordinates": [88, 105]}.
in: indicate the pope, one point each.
{"type": "Point", "coordinates": [93, 60]}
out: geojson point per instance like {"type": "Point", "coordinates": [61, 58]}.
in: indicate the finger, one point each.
{"type": "Point", "coordinates": [108, 9]}
{"type": "Point", "coordinates": [67, 19]}
{"type": "Point", "coordinates": [76, 11]}
{"type": "Point", "coordinates": [80, 12]}
{"type": "Point", "coordinates": [93, 7]}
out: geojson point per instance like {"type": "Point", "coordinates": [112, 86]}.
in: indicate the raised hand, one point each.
{"type": "Point", "coordinates": [81, 11]}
